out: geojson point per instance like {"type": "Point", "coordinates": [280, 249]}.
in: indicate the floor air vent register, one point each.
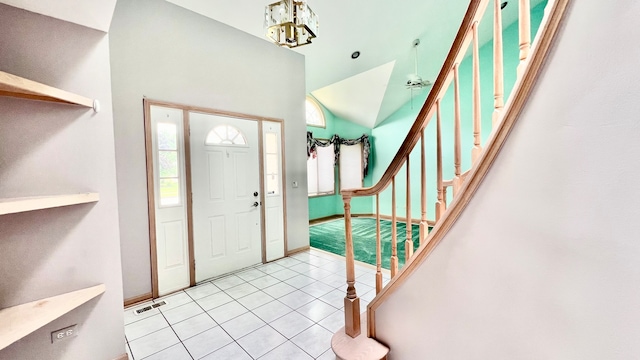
{"type": "Point", "coordinates": [149, 307]}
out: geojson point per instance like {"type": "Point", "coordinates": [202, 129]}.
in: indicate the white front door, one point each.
{"type": "Point", "coordinates": [169, 192]}
{"type": "Point", "coordinates": [226, 194]}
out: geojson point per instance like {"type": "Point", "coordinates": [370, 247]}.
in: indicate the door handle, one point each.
{"type": "Point", "coordinates": [255, 204]}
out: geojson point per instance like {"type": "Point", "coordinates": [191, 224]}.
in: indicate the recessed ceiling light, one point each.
{"type": "Point", "coordinates": [355, 54]}
{"type": "Point", "coordinates": [503, 5]}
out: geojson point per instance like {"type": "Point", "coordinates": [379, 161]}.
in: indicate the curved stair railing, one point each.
{"type": "Point", "coordinates": [463, 184]}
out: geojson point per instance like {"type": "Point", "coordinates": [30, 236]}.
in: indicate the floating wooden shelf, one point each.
{"type": "Point", "coordinates": [15, 86]}
{"type": "Point", "coordinates": [19, 321]}
{"type": "Point", "coordinates": [17, 205]}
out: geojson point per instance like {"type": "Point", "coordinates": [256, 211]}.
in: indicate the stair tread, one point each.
{"type": "Point", "coordinates": [361, 347]}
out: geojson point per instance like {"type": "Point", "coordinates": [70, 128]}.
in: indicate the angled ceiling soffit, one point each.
{"type": "Point", "coordinates": [359, 97]}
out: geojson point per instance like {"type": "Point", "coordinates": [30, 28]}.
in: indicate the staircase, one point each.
{"type": "Point", "coordinates": [351, 342]}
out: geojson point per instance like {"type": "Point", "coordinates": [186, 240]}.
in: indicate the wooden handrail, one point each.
{"type": "Point", "coordinates": [449, 69]}
{"type": "Point", "coordinates": [467, 34]}
{"type": "Point", "coordinates": [456, 54]}
{"type": "Point", "coordinates": [521, 91]}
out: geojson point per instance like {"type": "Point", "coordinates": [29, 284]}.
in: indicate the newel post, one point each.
{"type": "Point", "coordinates": [351, 301]}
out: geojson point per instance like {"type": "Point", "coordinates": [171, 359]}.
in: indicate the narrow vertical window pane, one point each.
{"type": "Point", "coordinates": [169, 192]}
{"type": "Point", "coordinates": [350, 166]}
{"type": "Point", "coordinates": [272, 164]}
{"type": "Point", "coordinates": [326, 170]}
{"type": "Point", "coordinates": [168, 161]}
{"type": "Point", "coordinates": [312, 175]}
{"type": "Point", "coordinates": [167, 136]}
{"type": "Point", "coordinates": [272, 143]}
{"type": "Point", "coordinates": [321, 172]}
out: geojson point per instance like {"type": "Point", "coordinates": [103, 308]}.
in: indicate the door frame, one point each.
{"type": "Point", "coordinates": [147, 103]}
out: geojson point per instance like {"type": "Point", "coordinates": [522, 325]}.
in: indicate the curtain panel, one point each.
{"type": "Point", "coordinates": [313, 143]}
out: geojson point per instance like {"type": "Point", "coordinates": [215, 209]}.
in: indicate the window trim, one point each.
{"type": "Point", "coordinates": [314, 103]}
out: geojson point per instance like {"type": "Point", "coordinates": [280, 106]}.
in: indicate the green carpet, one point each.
{"type": "Point", "coordinates": [329, 236]}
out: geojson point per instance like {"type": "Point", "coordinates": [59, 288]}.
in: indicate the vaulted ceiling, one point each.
{"type": "Point", "coordinates": [365, 90]}
{"type": "Point", "coordinates": [370, 88]}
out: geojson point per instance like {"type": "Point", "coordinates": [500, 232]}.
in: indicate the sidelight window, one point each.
{"type": "Point", "coordinates": [168, 165]}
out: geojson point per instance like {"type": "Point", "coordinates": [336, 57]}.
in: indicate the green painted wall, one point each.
{"type": "Point", "coordinates": [322, 206]}
{"type": "Point", "coordinates": [394, 129]}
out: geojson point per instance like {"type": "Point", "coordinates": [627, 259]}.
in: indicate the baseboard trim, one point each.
{"type": "Point", "coordinates": [324, 219]}
{"type": "Point", "coordinates": [295, 251]}
{"type": "Point", "coordinates": [137, 299]}
{"type": "Point", "coordinates": [362, 215]}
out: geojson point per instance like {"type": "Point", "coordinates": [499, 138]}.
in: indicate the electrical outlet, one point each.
{"type": "Point", "coordinates": [63, 334]}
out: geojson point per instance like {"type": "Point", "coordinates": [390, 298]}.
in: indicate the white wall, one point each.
{"type": "Point", "coordinates": [164, 52]}
{"type": "Point", "coordinates": [543, 263]}
{"type": "Point", "coordinates": [51, 149]}
{"type": "Point", "coordinates": [95, 14]}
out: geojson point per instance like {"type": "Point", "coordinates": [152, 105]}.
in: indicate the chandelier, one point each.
{"type": "Point", "coordinates": [290, 23]}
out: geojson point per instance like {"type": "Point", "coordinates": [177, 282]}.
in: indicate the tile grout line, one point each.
{"type": "Point", "coordinates": [219, 325]}
{"type": "Point", "coordinates": [313, 321]}
{"type": "Point", "coordinates": [268, 323]}
{"type": "Point", "coordinates": [277, 299]}
{"type": "Point", "coordinates": [174, 331]}
{"type": "Point", "coordinates": [306, 273]}
{"type": "Point", "coordinates": [130, 352]}
{"type": "Point", "coordinates": [170, 326]}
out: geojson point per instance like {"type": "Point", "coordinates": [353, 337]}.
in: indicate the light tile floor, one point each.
{"type": "Point", "coordinates": [284, 310]}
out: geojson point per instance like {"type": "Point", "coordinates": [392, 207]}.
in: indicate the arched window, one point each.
{"type": "Point", "coordinates": [225, 135]}
{"type": "Point", "coordinates": [314, 114]}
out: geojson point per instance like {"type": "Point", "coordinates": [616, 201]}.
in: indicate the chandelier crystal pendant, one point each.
{"type": "Point", "coordinates": [290, 23]}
